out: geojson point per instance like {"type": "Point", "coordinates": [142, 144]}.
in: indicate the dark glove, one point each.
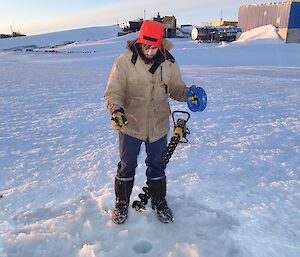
{"type": "Point", "coordinates": [118, 119]}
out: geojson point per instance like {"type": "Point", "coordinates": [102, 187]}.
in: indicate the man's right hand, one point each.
{"type": "Point", "coordinates": [118, 119]}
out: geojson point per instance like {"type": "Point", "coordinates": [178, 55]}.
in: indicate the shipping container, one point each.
{"type": "Point", "coordinates": [253, 16]}
{"type": "Point", "coordinates": [281, 15]}
{"type": "Point", "coordinates": [223, 23]}
{"type": "Point", "coordinates": [285, 16]}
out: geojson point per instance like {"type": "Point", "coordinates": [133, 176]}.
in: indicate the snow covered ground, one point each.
{"type": "Point", "coordinates": [55, 39]}
{"type": "Point", "coordinates": [234, 188]}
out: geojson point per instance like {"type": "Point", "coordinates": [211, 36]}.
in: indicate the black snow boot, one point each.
{"type": "Point", "coordinates": [158, 188]}
{"type": "Point", "coordinates": [123, 188]}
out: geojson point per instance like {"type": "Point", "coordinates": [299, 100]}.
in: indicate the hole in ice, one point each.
{"type": "Point", "coordinates": [142, 247]}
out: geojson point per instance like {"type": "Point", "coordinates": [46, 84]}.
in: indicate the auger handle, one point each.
{"type": "Point", "coordinates": [184, 112]}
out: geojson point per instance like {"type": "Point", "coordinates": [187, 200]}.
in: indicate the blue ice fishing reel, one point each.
{"type": "Point", "coordinates": [196, 99]}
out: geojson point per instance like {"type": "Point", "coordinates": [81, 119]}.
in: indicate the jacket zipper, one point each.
{"type": "Point", "coordinates": [161, 79]}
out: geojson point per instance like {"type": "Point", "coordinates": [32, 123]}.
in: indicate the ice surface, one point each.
{"type": "Point", "coordinates": [234, 188]}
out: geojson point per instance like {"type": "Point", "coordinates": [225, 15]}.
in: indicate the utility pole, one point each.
{"type": "Point", "coordinates": [144, 14]}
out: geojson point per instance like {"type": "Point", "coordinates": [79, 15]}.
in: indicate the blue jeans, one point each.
{"type": "Point", "coordinates": [129, 148]}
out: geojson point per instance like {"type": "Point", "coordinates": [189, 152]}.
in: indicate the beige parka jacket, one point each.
{"type": "Point", "coordinates": [144, 96]}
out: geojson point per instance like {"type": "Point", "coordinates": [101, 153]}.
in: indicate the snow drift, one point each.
{"type": "Point", "coordinates": [261, 35]}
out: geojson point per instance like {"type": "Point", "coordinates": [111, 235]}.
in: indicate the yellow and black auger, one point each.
{"type": "Point", "coordinates": [179, 136]}
{"type": "Point", "coordinates": [140, 205]}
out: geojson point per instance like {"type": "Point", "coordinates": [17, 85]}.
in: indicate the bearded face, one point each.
{"type": "Point", "coordinates": [149, 51]}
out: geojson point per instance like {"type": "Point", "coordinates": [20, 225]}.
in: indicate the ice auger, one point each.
{"type": "Point", "coordinates": [140, 205]}
{"type": "Point", "coordinates": [180, 132]}
{"type": "Point", "coordinates": [179, 136]}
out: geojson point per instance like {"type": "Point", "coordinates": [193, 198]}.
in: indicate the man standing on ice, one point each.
{"type": "Point", "coordinates": [137, 94]}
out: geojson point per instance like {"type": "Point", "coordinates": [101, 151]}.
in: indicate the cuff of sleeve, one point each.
{"type": "Point", "coordinates": [113, 107]}
{"type": "Point", "coordinates": [185, 92]}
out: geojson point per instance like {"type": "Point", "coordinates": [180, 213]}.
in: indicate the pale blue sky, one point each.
{"type": "Point", "coordinates": [42, 16]}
